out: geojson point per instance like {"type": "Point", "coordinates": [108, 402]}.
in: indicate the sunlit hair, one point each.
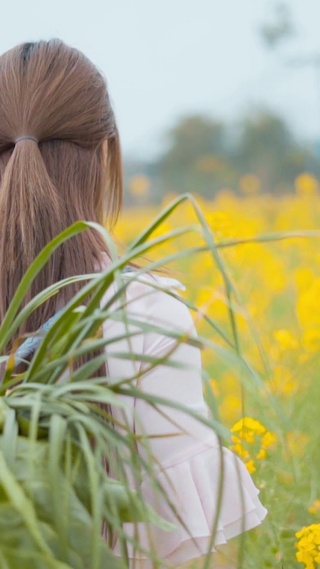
{"type": "Point", "coordinates": [52, 92]}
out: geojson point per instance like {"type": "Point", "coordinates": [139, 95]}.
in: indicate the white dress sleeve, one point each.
{"type": "Point", "coordinates": [188, 456]}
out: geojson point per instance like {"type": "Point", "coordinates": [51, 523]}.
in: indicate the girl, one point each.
{"type": "Point", "coordinates": [60, 162]}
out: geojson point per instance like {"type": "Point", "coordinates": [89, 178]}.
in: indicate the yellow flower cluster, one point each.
{"type": "Point", "coordinates": [285, 339]}
{"type": "Point", "coordinates": [306, 185]}
{"type": "Point", "coordinates": [308, 546]}
{"type": "Point", "coordinates": [250, 441]}
{"type": "Point", "coordinates": [277, 316]}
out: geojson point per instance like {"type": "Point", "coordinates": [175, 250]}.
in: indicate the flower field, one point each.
{"type": "Point", "coordinates": [262, 358]}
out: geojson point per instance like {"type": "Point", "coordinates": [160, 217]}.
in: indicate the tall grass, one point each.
{"type": "Point", "coordinates": [58, 432]}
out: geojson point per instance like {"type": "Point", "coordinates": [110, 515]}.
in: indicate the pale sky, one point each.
{"type": "Point", "coordinates": [167, 58]}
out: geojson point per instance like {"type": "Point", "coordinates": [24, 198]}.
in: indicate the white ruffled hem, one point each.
{"type": "Point", "coordinates": [193, 488]}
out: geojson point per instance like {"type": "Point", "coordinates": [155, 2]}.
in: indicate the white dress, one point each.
{"type": "Point", "coordinates": [188, 464]}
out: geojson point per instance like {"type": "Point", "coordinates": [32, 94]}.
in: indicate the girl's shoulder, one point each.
{"type": "Point", "coordinates": [150, 287]}
{"type": "Point", "coordinates": [138, 280]}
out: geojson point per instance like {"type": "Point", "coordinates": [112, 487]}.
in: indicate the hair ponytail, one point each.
{"type": "Point", "coordinates": [52, 93]}
{"type": "Point", "coordinates": [31, 215]}
{"type": "Point", "coordinates": [115, 172]}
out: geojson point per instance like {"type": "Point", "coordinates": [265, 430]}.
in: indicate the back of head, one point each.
{"type": "Point", "coordinates": [53, 94]}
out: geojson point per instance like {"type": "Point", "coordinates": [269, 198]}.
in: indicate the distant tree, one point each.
{"type": "Point", "coordinates": [204, 156]}
{"type": "Point", "coordinates": [279, 28]}
{"type": "Point", "coordinates": [197, 158]}
{"type": "Point", "coordinates": [267, 148]}
{"type": "Point", "coordinates": [275, 32]}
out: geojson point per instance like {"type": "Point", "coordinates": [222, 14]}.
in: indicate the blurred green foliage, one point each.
{"type": "Point", "coordinates": [204, 155]}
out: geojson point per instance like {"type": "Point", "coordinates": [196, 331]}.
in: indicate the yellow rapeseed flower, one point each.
{"type": "Point", "coordinates": [314, 508]}
{"type": "Point", "coordinates": [311, 340]}
{"type": "Point", "coordinates": [303, 277]}
{"type": "Point", "coordinates": [249, 423]}
{"type": "Point", "coordinates": [286, 339]}
{"type": "Point", "coordinates": [306, 185]}
{"type": "Point", "coordinates": [261, 454]}
{"type": "Point", "coordinates": [139, 185]}
{"type": "Point", "coordinates": [220, 224]}
{"type": "Point", "coordinates": [308, 305]}
{"type": "Point", "coordinates": [230, 407]}
{"type": "Point", "coordinates": [250, 440]}
{"type": "Point", "coordinates": [268, 440]}
{"type": "Point", "coordinates": [251, 466]}
{"type": "Point", "coordinates": [308, 546]}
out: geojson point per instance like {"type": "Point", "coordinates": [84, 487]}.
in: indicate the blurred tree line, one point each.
{"type": "Point", "coordinates": [204, 155]}
{"type": "Point", "coordinates": [260, 153]}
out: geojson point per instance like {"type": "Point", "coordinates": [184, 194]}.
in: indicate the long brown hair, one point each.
{"type": "Point", "coordinates": [52, 92]}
